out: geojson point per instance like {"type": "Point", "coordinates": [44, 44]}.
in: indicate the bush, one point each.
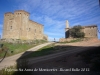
{"type": "Point", "coordinates": [76, 32]}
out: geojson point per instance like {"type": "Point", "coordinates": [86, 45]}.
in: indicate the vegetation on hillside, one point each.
{"type": "Point", "coordinates": [14, 48]}
{"type": "Point", "coordinates": [20, 69]}
{"type": "Point", "coordinates": [76, 32]}
{"type": "Point", "coordinates": [73, 41]}
{"type": "Point", "coordinates": [46, 50]}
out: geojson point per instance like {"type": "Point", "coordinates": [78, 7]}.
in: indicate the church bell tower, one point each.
{"type": "Point", "coordinates": [67, 30]}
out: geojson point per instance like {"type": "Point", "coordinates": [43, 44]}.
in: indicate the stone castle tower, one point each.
{"type": "Point", "coordinates": [17, 25]}
{"type": "Point", "coordinates": [90, 31]}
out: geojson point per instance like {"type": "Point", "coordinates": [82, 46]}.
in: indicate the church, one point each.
{"type": "Point", "coordinates": [89, 30]}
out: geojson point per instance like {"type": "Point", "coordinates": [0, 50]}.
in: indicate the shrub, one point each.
{"type": "Point", "coordinates": [76, 32]}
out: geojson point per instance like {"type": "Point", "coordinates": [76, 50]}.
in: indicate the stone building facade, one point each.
{"type": "Point", "coordinates": [90, 31]}
{"type": "Point", "coordinates": [17, 25]}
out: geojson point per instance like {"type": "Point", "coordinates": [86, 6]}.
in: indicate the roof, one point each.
{"type": "Point", "coordinates": [35, 22]}
{"type": "Point", "coordinates": [90, 26]}
{"type": "Point", "coordinates": [8, 13]}
{"type": "Point", "coordinates": [22, 11]}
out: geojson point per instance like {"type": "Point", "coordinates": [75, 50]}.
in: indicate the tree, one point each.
{"type": "Point", "coordinates": [76, 32]}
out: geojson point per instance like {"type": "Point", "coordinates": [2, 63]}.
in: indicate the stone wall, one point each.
{"type": "Point", "coordinates": [17, 25]}
{"type": "Point", "coordinates": [66, 39]}
{"type": "Point", "coordinates": [90, 31]}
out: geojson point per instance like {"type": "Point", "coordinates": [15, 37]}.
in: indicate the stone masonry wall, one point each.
{"type": "Point", "coordinates": [18, 26]}
{"type": "Point", "coordinates": [90, 31]}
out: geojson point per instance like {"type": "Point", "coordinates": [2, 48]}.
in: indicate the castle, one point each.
{"type": "Point", "coordinates": [17, 25]}
{"type": "Point", "coordinates": [90, 31]}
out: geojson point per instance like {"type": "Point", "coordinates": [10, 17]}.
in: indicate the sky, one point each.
{"type": "Point", "coordinates": [54, 13]}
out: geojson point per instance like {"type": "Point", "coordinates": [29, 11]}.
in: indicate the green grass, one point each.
{"type": "Point", "coordinates": [49, 49]}
{"type": "Point", "coordinates": [43, 51]}
{"type": "Point", "coordinates": [18, 69]}
{"type": "Point", "coordinates": [77, 40]}
{"type": "Point", "coordinates": [6, 72]}
{"type": "Point", "coordinates": [72, 41]}
{"type": "Point", "coordinates": [17, 48]}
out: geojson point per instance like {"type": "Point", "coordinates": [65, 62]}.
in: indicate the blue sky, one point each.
{"type": "Point", "coordinates": [54, 13]}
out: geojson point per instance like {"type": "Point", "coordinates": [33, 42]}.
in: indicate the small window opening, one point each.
{"type": "Point", "coordinates": [29, 29]}
{"type": "Point", "coordinates": [10, 27]}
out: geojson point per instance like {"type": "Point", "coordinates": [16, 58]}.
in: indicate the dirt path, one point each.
{"type": "Point", "coordinates": [66, 63]}
{"type": "Point", "coordinates": [9, 61]}
{"type": "Point", "coordinates": [60, 54]}
{"type": "Point", "coordinates": [40, 62]}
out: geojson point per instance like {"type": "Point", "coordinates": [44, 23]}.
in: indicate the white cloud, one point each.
{"type": "Point", "coordinates": [29, 5]}
{"type": "Point", "coordinates": [59, 8]}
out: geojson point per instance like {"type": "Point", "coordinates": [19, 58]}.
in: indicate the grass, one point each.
{"type": "Point", "coordinates": [14, 49]}
{"type": "Point", "coordinates": [19, 69]}
{"type": "Point", "coordinates": [17, 47]}
{"type": "Point", "coordinates": [42, 51]}
{"type": "Point", "coordinates": [49, 49]}
{"type": "Point", "coordinates": [6, 72]}
{"type": "Point", "coordinates": [72, 41]}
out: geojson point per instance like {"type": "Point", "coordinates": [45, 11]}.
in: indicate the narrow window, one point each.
{"type": "Point", "coordinates": [96, 34]}
{"type": "Point", "coordinates": [29, 29]}
{"type": "Point", "coordinates": [10, 27]}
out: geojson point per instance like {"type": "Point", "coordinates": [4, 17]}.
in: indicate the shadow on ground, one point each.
{"type": "Point", "coordinates": [73, 62]}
